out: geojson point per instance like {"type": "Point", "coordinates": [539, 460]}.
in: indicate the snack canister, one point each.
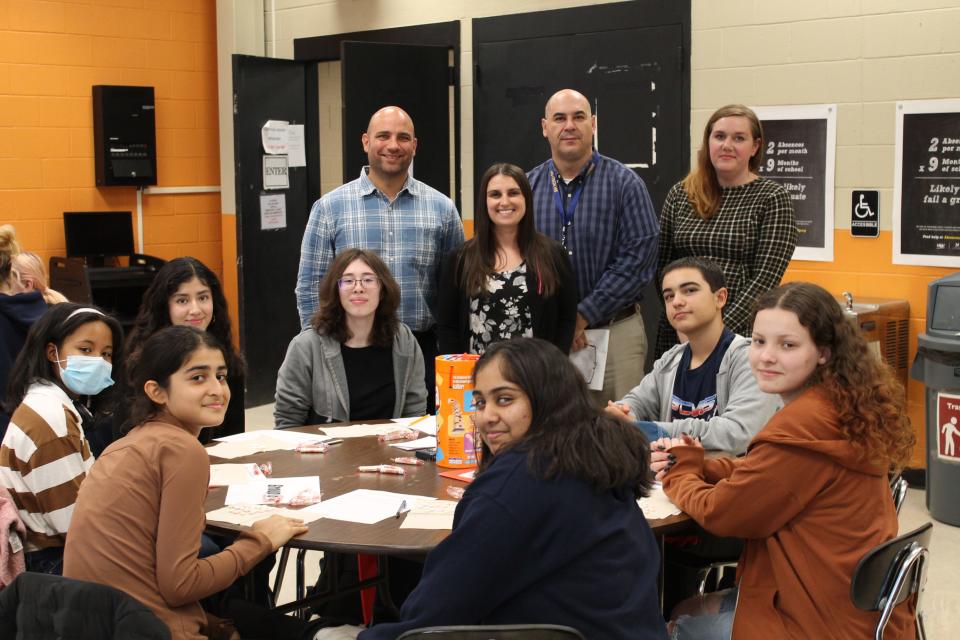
{"type": "Point", "coordinates": [456, 438]}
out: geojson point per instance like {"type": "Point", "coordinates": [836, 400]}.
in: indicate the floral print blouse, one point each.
{"type": "Point", "coordinates": [503, 313]}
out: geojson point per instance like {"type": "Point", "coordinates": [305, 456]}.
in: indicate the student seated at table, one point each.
{"type": "Point", "coordinates": [549, 531]}
{"type": "Point", "coordinates": [704, 387]}
{"type": "Point", "coordinates": [139, 514]}
{"type": "Point", "coordinates": [45, 456]}
{"type": "Point", "coordinates": [187, 293]}
{"type": "Point", "coordinates": [811, 496]}
{"type": "Point", "coordinates": [357, 361]}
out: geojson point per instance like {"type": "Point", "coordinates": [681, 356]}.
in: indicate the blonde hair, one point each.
{"type": "Point", "coordinates": [30, 267]}
{"type": "Point", "coordinates": [9, 248]}
{"type": "Point", "coordinates": [701, 184]}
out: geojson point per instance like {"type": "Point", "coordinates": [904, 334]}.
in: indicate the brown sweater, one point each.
{"type": "Point", "coordinates": [809, 507]}
{"type": "Point", "coordinates": [137, 525]}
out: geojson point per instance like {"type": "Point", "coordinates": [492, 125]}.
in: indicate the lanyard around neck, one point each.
{"type": "Point", "coordinates": [566, 203]}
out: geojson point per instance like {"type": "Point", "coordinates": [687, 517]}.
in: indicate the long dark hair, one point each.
{"type": "Point", "coordinates": [869, 400]}
{"type": "Point", "coordinates": [330, 319]}
{"type": "Point", "coordinates": [568, 436]}
{"type": "Point", "coordinates": [701, 184]}
{"type": "Point", "coordinates": [55, 326]}
{"type": "Point", "coordinates": [479, 254]}
{"type": "Point", "coordinates": [154, 313]}
{"type": "Point", "coordinates": [161, 356]}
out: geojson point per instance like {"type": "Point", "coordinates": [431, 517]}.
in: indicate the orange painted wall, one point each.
{"type": "Point", "coordinates": [51, 54]}
{"type": "Point", "coordinates": [864, 267]}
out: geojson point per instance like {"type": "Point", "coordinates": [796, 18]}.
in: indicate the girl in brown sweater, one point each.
{"type": "Point", "coordinates": [139, 515]}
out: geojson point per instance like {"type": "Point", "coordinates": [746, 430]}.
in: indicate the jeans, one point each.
{"type": "Point", "coordinates": [49, 560]}
{"type": "Point", "coordinates": [716, 626]}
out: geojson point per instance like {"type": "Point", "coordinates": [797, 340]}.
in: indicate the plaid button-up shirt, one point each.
{"type": "Point", "coordinates": [411, 235]}
{"type": "Point", "coordinates": [612, 240]}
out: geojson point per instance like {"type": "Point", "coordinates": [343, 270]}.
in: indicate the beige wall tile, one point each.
{"type": "Point", "coordinates": [818, 40]}
{"type": "Point", "coordinates": [752, 46]}
{"type": "Point", "coordinates": [901, 34]}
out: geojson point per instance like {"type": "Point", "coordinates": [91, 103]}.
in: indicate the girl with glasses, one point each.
{"type": "Point", "coordinates": [357, 361]}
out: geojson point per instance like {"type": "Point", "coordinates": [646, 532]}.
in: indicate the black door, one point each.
{"type": "Point", "coordinates": [267, 260]}
{"type": "Point", "coordinates": [631, 76]}
{"type": "Point", "coordinates": [415, 78]}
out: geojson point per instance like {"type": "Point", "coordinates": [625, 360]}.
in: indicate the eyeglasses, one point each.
{"type": "Point", "coordinates": [368, 282]}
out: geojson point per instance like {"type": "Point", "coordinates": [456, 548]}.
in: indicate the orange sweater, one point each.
{"type": "Point", "coordinates": [809, 507]}
{"type": "Point", "coordinates": [137, 525]}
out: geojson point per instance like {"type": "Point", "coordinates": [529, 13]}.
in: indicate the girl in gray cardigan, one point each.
{"type": "Point", "coordinates": [357, 361]}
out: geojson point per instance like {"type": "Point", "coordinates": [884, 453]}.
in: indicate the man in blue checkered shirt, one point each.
{"type": "Point", "coordinates": [410, 225]}
{"type": "Point", "coordinates": [600, 211]}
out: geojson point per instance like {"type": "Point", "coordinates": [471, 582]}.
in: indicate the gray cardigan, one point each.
{"type": "Point", "coordinates": [312, 377]}
{"type": "Point", "coordinates": [742, 409]}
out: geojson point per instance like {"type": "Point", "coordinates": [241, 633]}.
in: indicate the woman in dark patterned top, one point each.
{"type": "Point", "coordinates": [508, 280]}
{"type": "Point", "coordinates": [724, 211]}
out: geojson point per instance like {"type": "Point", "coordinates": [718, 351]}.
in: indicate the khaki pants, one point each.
{"type": "Point", "coordinates": [625, 359]}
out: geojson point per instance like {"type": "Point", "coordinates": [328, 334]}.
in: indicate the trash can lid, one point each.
{"type": "Point", "coordinates": [937, 343]}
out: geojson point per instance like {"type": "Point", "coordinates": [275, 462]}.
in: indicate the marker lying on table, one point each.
{"type": "Point", "coordinates": [401, 508]}
{"type": "Point", "coordinates": [382, 468]}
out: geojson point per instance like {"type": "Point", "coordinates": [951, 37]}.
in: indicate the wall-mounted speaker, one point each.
{"type": "Point", "coordinates": [124, 136]}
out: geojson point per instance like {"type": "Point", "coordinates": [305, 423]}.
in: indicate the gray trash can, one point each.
{"type": "Point", "coordinates": [938, 366]}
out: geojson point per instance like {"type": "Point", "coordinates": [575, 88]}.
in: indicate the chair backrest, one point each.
{"type": "Point", "coordinates": [898, 487]}
{"type": "Point", "coordinates": [494, 632]}
{"type": "Point", "coordinates": [41, 606]}
{"type": "Point", "coordinates": [69, 277]}
{"type": "Point", "coordinates": [892, 570]}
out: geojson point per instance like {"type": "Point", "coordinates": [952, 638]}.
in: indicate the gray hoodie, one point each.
{"type": "Point", "coordinates": [742, 409]}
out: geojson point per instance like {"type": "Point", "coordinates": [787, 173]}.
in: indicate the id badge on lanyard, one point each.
{"type": "Point", "coordinates": [566, 203]}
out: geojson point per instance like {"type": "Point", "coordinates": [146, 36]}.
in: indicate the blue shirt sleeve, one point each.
{"type": "Point", "coordinates": [316, 253]}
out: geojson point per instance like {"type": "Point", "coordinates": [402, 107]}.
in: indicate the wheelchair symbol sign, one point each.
{"type": "Point", "coordinates": [865, 214]}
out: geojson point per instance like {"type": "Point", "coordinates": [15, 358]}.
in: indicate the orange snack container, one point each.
{"type": "Point", "coordinates": [457, 443]}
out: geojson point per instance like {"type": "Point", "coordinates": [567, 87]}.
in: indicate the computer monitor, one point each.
{"type": "Point", "coordinates": [943, 306]}
{"type": "Point", "coordinates": [96, 235]}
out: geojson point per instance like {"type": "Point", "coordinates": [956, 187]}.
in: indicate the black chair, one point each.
{"type": "Point", "coordinates": [898, 487]}
{"type": "Point", "coordinates": [41, 607]}
{"type": "Point", "coordinates": [495, 632]}
{"type": "Point", "coordinates": [890, 574]}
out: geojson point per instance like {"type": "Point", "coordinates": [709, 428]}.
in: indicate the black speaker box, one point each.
{"type": "Point", "coordinates": [124, 136]}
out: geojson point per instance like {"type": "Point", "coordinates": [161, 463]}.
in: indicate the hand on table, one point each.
{"type": "Point", "coordinates": [279, 529]}
{"type": "Point", "coordinates": [661, 460]}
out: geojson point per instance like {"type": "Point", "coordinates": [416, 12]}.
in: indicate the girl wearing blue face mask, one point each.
{"type": "Point", "coordinates": [68, 354]}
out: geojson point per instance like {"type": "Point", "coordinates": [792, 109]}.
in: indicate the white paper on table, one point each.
{"type": "Point", "coordinates": [657, 505]}
{"type": "Point", "coordinates": [430, 515]}
{"type": "Point", "coordinates": [360, 430]}
{"type": "Point", "coordinates": [366, 506]}
{"type": "Point", "coordinates": [245, 515]}
{"type": "Point", "coordinates": [591, 361]}
{"type": "Point", "coordinates": [256, 492]}
{"type": "Point", "coordinates": [295, 148]}
{"type": "Point", "coordinates": [426, 424]}
{"type": "Point", "coordinates": [222, 475]}
{"type": "Point", "coordinates": [428, 442]}
{"type": "Point", "coordinates": [251, 442]}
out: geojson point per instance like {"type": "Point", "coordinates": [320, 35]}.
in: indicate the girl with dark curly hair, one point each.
{"type": "Point", "coordinates": [812, 494]}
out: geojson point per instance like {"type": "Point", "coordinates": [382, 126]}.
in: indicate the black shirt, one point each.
{"type": "Point", "coordinates": [695, 390]}
{"type": "Point", "coordinates": [369, 381]}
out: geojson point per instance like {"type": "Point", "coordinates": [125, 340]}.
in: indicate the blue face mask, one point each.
{"type": "Point", "coordinates": [86, 375]}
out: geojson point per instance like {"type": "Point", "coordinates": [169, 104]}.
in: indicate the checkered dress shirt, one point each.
{"type": "Point", "coordinates": [411, 235]}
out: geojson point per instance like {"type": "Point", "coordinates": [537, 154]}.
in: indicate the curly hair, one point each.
{"type": "Point", "coordinates": [869, 400]}
{"type": "Point", "coordinates": [331, 318]}
{"type": "Point", "coordinates": [701, 184]}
